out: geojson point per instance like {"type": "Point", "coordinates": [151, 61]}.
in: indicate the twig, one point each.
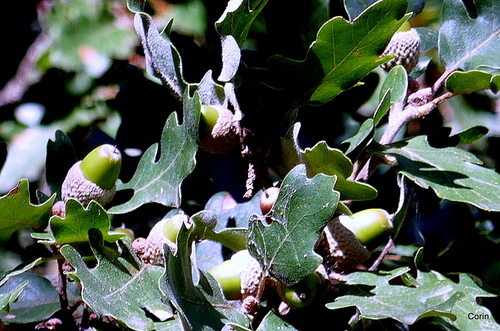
{"type": "Point", "coordinates": [27, 73]}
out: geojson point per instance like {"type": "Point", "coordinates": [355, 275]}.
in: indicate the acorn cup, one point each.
{"type": "Point", "coordinates": [406, 46]}
{"type": "Point", "coordinates": [218, 133]}
{"type": "Point", "coordinates": [94, 177]}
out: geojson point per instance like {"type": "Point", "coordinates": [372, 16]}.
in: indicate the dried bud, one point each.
{"type": "Point", "coordinates": [406, 46]}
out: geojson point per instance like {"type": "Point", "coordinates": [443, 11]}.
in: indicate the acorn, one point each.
{"type": "Point", "coordinates": [218, 132]}
{"type": "Point", "coordinates": [406, 46]}
{"type": "Point", "coordinates": [371, 226]}
{"type": "Point", "coordinates": [341, 250]}
{"type": "Point", "coordinates": [303, 293]}
{"type": "Point", "coordinates": [268, 198]}
{"type": "Point", "coordinates": [94, 177]}
{"type": "Point", "coordinates": [163, 232]}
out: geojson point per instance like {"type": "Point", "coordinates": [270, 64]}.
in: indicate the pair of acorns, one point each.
{"type": "Point", "coordinates": [95, 176]}
{"type": "Point", "coordinates": [344, 245]}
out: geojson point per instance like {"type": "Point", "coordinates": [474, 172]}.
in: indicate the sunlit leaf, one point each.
{"type": "Point", "coordinates": [285, 248]}
{"type": "Point", "coordinates": [159, 179]}
{"type": "Point", "coordinates": [343, 53]}
{"type": "Point", "coordinates": [470, 40]}
{"type": "Point", "coordinates": [17, 212]}
{"type": "Point", "coordinates": [121, 288]}
{"type": "Point", "coordinates": [453, 173]}
{"type": "Point", "coordinates": [74, 227]}
{"type": "Point", "coordinates": [201, 305]}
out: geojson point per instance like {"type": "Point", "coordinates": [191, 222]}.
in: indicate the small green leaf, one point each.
{"type": "Point", "coordinates": [159, 180]}
{"type": "Point", "coordinates": [472, 81]}
{"type": "Point", "coordinates": [332, 162]}
{"type": "Point", "coordinates": [122, 287]}
{"type": "Point", "coordinates": [74, 227]}
{"type": "Point", "coordinates": [453, 173]}
{"type": "Point", "coordinates": [201, 306]}
{"type": "Point", "coordinates": [285, 248]}
{"type": "Point", "coordinates": [364, 134]}
{"type": "Point", "coordinates": [342, 54]}
{"type": "Point", "coordinates": [17, 212]}
{"type": "Point", "coordinates": [397, 82]}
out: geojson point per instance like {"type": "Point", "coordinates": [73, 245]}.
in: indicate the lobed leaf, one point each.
{"type": "Point", "coordinates": [112, 287]}
{"type": "Point", "coordinates": [162, 58]}
{"type": "Point", "coordinates": [453, 173]}
{"type": "Point", "coordinates": [159, 179]}
{"type": "Point", "coordinates": [74, 227]}
{"type": "Point", "coordinates": [201, 305]}
{"type": "Point", "coordinates": [285, 248]}
{"type": "Point", "coordinates": [332, 162]}
{"type": "Point", "coordinates": [429, 294]}
{"type": "Point", "coordinates": [343, 53]}
{"type": "Point", "coordinates": [17, 212]}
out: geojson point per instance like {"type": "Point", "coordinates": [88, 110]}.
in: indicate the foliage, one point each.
{"type": "Point", "coordinates": [314, 114]}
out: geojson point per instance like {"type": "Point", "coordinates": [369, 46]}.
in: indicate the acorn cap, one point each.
{"type": "Point", "coordinates": [406, 46]}
{"type": "Point", "coordinates": [76, 186]}
{"type": "Point", "coordinates": [223, 136]}
{"type": "Point", "coordinates": [340, 248]}
{"type": "Point", "coordinates": [102, 166]}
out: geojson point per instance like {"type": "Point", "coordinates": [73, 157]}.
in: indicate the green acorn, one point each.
{"type": "Point", "coordinates": [406, 46]}
{"type": "Point", "coordinates": [94, 177]}
{"type": "Point", "coordinates": [304, 293]}
{"type": "Point", "coordinates": [371, 226]}
{"type": "Point", "coordinates": [218, 132]}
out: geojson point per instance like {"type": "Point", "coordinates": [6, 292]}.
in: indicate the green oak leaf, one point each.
{"type": "Point", "coordinates": [201, 305]}
{"type": "Point", "coordinates": [17, 212]}
{"type": "Point", "coordinates": [434, 297]}
{"type": "Point", "coordinates": [453, 173]}
{"type": "Point", "coordinates": [472, 81]}
{"type": "Point", "coordinates": [74, 227]}
{"type": "Point", "coordinates": [468, 42]}
{"type": "Point", "coordinates": [285, 248]}
{"type": "Point", "coordinates": [332, 162]}
{"type": "Point", "coordinates": [159, 179]}
{"type": "Point", "coordinates": [342, 54]}
{"type": "Point", "coordinates": [397, 82]}
{"type": "Point", "coordinates": [120, 287]}
{"type": "Point", "coordinates": [430, 294]}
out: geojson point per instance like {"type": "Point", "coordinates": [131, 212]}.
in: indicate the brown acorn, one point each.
{"type": "Point", "coordinates": [218, 132]}
{"type": "Point", "coordinates": [406, 46]}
